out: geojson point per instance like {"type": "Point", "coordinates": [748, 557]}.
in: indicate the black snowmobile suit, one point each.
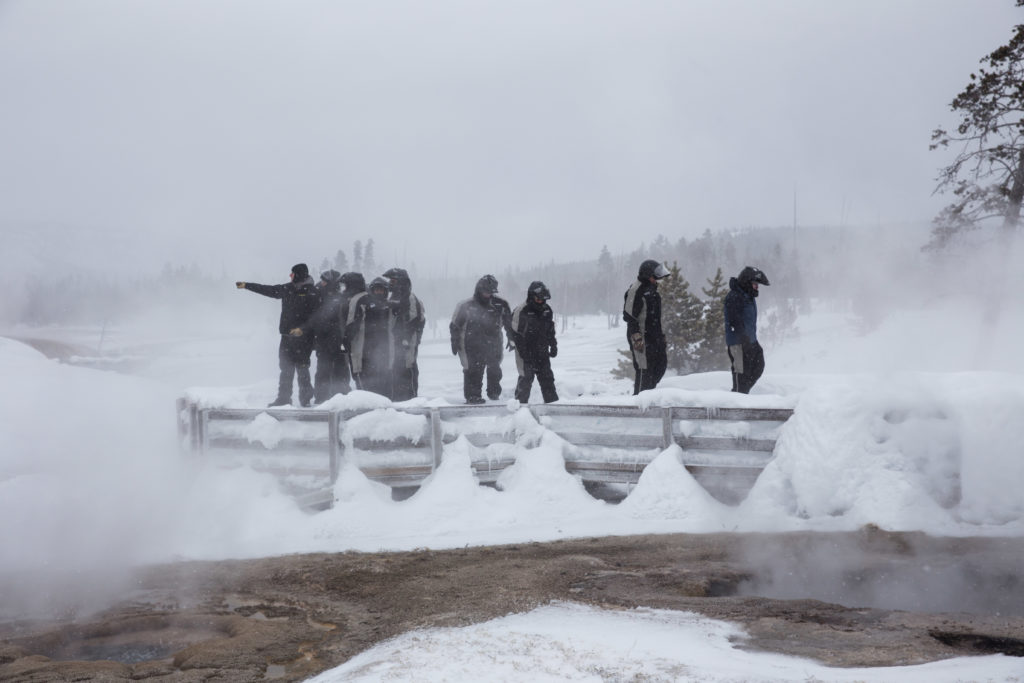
{"type": "Point", "coordinates": [299, 300]}
{"type": "Point", "coordinates": [409, 322]}
{"type": "Point", "coordinates": [327, 324]}
{"type": "Point", "coordinates": [476, 338]}
{"type": "Point", "coordinates": [533, 333]}
{"type": "Point", "coordinates": [371, 344]}
{"type": "Point", "coordinates": [642, 313]}
{"type": "Point", "coordinates": [745, 353]}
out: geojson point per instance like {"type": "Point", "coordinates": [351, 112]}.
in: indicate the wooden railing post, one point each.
{"type": "Point", "coordinates": [193, 428]}
{"type": "Point", "coordinates": [204, 429]}
{"type": "Point", "coordinates": [334, 444]}
{"type": "Point", "coordinates": [181, 406]}
{"type": "Point", "coordinates": [436, 437]}
{"type": "Point", "coordinates": [667, 437]}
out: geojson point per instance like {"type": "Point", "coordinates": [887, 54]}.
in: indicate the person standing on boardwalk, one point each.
{"type": "Point", "coordinates": [533, 334]}
{"type": "Point", "coordinates": [407, 332]}
{"type": "Point", "coordinates": [299, 299]}
{"type": "Point", "coordinates": [745, 353]}
{"type": "Point", "coordinates": [369, 337]}
{"type": "Point", "coordinates": [327, 325]}
{"type": "Point", "coordinates": [476, 339]}
{"type": "Point", "coordinates": [642, 312]}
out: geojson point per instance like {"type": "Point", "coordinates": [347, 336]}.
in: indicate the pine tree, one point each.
{"type": "Point", "coordinates": [712, 355]}
{"type": "Point", "coordinates": [369, 264]}
{"type": "Point", "coordinates": [357, 256]}
{"type": "Point", "coordinates": [681, 321]}
{"type": "Point", "coordinates": [624, 366]}
{"type": "Point", "coordinates": [341, 262]}
{"type": "Point", "coordinates": [987, 176]}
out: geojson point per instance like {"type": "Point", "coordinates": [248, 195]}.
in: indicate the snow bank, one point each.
{"type": "Point", "coordinates": [571, 642]}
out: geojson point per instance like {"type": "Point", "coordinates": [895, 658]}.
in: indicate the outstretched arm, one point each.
{"type": "Point", "coordinates": [273, 291]}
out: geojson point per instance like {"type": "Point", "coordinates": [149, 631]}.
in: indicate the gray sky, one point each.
{"type": "Point", "coordinates": [249, 132]}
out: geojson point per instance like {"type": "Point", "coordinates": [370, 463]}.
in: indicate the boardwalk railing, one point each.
{"type": "Point", "coordinates": [724, 448]}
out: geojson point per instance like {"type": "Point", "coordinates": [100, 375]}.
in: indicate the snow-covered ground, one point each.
{"type": "Point", "coordinates": [92, 482]}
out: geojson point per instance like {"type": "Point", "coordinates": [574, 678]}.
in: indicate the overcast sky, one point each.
{"type": "Point", "coordinates": [481, 132]}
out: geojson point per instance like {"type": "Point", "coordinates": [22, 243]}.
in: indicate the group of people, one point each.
{"type": "Point", "coordinates": [366, 334]}
{"type": "Point", "coordinates": [370, 335]}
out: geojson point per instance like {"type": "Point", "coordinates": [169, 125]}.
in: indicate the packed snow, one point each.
{"type": "Point", "coordinates": [906, 436]}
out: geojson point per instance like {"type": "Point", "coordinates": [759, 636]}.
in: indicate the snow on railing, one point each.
{"type": "Point", "coordinates": [402, 445]}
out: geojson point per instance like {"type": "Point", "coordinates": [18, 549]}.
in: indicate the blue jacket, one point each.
{"type": "Point", "coordinates": [740, 314]}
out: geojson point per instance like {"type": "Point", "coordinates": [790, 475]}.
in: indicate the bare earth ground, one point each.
{"type": "Point", "coordinates": [288, 618]}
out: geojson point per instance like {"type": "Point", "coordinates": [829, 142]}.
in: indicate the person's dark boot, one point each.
{"type": "Point", "coordinates": [475, 401]}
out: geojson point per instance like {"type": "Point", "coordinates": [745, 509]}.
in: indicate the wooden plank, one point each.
{"type": "Point", "coordinates": [679, 412]}
{"type": "Point", "coordinates": [400, 442]}
{"type": "Point", "coordinates": [738, 414]}
{"type": "Point", "coordinates": [242, 443]}
{"type": "Point", "coordinates": [451, 412]}
{"type": "Point", "coordinates": [282, 414]}
{"type": "Point", "coordinates": [611, 440]}
{"type": "Point", "coordinates": [555, 410]}
{"type": "Point", "coordinates": [406, 471]}
{"type": "Point", "coordinates": [725, 443]}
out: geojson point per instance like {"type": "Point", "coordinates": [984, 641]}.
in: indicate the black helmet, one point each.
{"type": "Point", "coordinates": [397, 274]}
{"type": "Point", "coordinates": [488, 283]}
{"type": "Point", "coordinates": [354, 282]}
{"type": "Point", "coordinates": [379, 283]}
{"type": "Point", "coordinates": [651, 268]}
{"type": "Point", "coordinates": [750, 274]}
{"type": "Point", "coordinates": [538, 290]}
{"type": "Point", "coordinates": [331, 277]}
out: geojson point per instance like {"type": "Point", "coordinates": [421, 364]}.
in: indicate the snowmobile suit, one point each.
{"type": "Point", "coordinates": [745, 353]}
{"type": "Point", "coordinates": [533, 333]}
{"type": "Point", "coordinates": [476, 338]}
{"type": "Point", "coordinates": [327, 325]}
{"type": "Point", "coordinates": [299, 299]}
{"type": "Point", "coordinates": [409, 321]}
{"type": "Point", "coordinates": [642, 313]}
{"type": "Point", "coordinates": [369, 337]}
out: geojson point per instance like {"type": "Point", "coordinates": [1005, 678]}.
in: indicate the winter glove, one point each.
{"type": "Point", "coordinates": [553, 351]}
{"type": "Point", "coordinates": [455, 348]}
{"type": "Point", "coordinates": [638, 341]}
{"type": "Point", "coordinates": [240, 285]}
{"type": "Point", "coordinates": [510, 346]}
{"type": "Point", "coordinates": [296, 332]}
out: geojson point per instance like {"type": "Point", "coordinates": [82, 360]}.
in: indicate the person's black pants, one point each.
{"type": "Point", "coordinates": [541, 369]}
{"type": "Point", "coordinates": [332, 374]}
{"type": "Point", "coordinates": [751, 366]}
{"type": "Point", "coordinates": [293, 358]}
{"type": "Point", "coordinates": [655, 358]}
{"type": "Point", "coordinates": [405, 381]}
{"type": "Point", "coordinates": [473, 375]}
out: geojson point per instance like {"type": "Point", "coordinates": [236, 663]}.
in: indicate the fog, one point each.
{"type": "Point", "coordinates": [463, 137]}
{"type": "Point", "coordinates": [240, 134]}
